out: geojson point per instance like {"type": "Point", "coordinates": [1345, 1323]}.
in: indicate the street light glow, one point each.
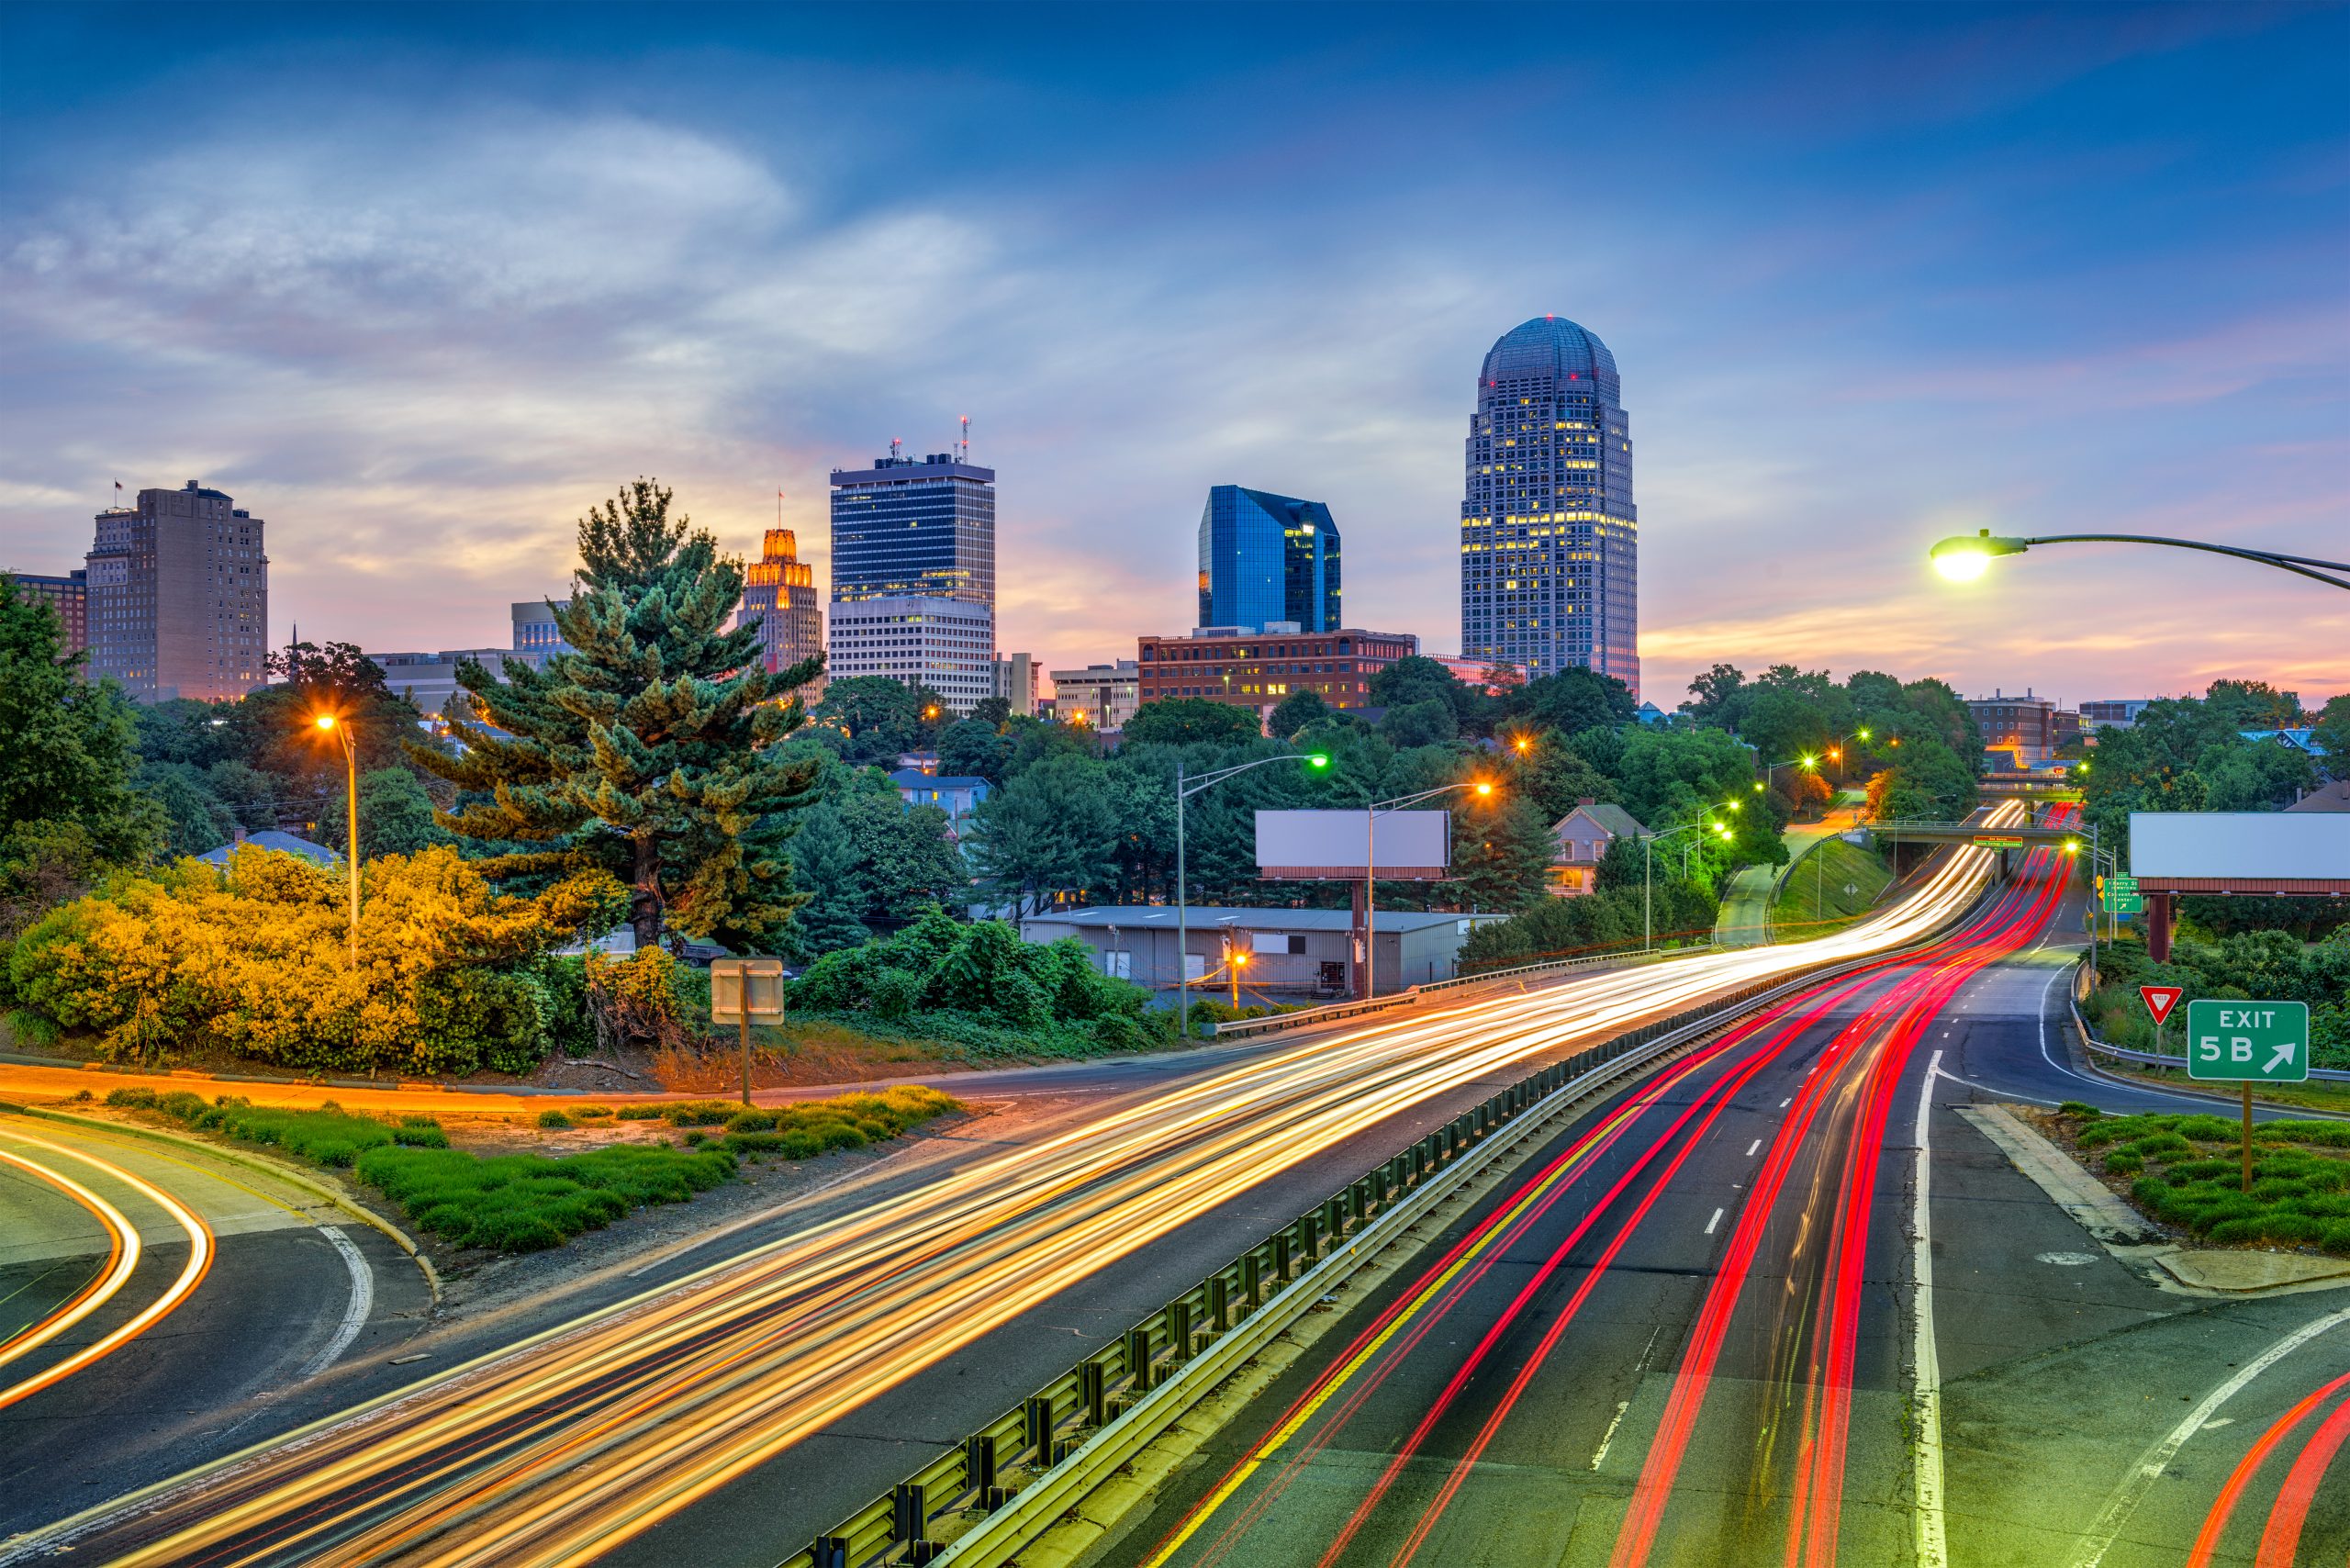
{"type": "Point", "coordinates": [1319, 759]}
{"type": "Point", "coordinates": [1483, 789]}
{"type": "Point", "coordinates": [324, 720]}
{"type": "Point", "coordinates": [1962, 559]}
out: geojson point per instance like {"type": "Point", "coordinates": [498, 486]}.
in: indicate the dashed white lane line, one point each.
{"type": "Point", "coordinates": [1785, 1103]}
{"type": "Point", "coordinates": [1752, 1146]}
{"type": "Point", "coordinates": [1713, 1222]}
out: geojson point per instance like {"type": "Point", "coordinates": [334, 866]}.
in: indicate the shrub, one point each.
{"type": "Point", "coordinates": [698, 1113]}
{"type": "Point", "coordinates": [132, 1099]}
{"type": "Point", "coordinates": [639, 1113]}
{"type": "Point", "coordinates": [751, 1122]}
{"type": "Point", "coordinates": [2080, 1108]}
{"type": "Point", "coordinates": [555, 1119]}
{"type": "Point", "coordinates": [591, 1111]}
{"type": "Point", "coordinates": [522, 1202]}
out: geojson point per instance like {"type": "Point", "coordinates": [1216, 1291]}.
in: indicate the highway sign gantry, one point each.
{"type": "Point", "coordinates": [2251, 1042]}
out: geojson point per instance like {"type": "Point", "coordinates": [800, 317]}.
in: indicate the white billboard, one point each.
{"type": "Point", "coordinates": [1314, 846]}
{"type": "Point", "coordinates": [2267, 846]}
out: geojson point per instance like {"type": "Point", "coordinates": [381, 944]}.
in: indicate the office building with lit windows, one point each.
{"type": "Point", "coordinates": [779, 593]}
{"type": "Point", "coordinates": [1268, 560]}
{"type": "Point", "coordinates": [944, 645]}
{"type": "Point", "coordinates": [914, 574]}
{"type": "Point", "coordinates": [1256, 669]}
{"type": "Point", "coordinates": [69, 595]}
{"type": "Point", "coordinates": [1548, 535]}
{"type": "Point", "coordinates": [178, 597]}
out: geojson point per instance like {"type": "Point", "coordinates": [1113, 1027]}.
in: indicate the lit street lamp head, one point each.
{"type": "Point", "coordinates": [1319, 759]}
{"type": "Point", "coordinates": [324, 720]}
{"type": "Point", "coordinates": [1963, 558]}
{"type": "Point", "coordinates": [1484, 789]}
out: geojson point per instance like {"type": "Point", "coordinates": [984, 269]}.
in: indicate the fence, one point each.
{"type": "Point", "coordinates": [1014, 1477]}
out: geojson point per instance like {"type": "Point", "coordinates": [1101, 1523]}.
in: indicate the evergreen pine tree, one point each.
{"type": "Point", "coordinates": [646, 752]}
{"type": "Point", "coordinates": [824, 866]}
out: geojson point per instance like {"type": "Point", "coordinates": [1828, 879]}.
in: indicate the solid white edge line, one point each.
{"type": "Point", "coordinates": [2125, 1496]}
{"type": "Point", "coordinates": [1932, 1538]}
{"type": "Point", "coordinates": [355, 1313]}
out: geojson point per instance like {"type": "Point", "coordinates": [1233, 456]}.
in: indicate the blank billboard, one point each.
{"type": "Point", "coordinates": [2240, 845]}
{"type": "Point", "coordinates": [1314, 846]}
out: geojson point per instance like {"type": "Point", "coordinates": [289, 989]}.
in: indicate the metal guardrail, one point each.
{"type": "Point", "coordinates": [1518, 973]}
{"type": "Point", "coordinates": [2149, 1058]}
{"type": "Point", "coordinates": [1013, 1477]}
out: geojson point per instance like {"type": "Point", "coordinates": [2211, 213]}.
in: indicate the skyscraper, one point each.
{"type": "Point", "coordinates": [179, 597]}
{"type": "Point", "coordinates": [1548, 535]}
{"type": "Point", "coordinates": [780, 590]}
{"type": "Point", "coordinates": [1266, 560]}
{"type": "Point", "coordinates": [914, 574]}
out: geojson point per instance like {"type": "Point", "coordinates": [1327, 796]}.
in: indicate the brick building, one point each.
{"type": "Point", "coordinates": [1256, 669]}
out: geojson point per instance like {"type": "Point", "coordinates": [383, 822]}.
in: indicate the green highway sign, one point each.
{"type": "Point", "coordinates": [2122, 903]}
{"type": "Point", "coordinates": [2257, 1042]}
{"type": "Point", "coordinates": [1998, 844]}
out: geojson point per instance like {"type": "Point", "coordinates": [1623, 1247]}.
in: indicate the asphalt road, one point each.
{"type": "Point", "coordinates": [1687, 1333]}
{"type": "Point", "coordinates": [727, 1417]}
{"type": "Point", "coordinates": [212, 1293]}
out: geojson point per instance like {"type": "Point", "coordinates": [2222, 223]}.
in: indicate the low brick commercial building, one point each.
{"type": "Point", "coordinates": [1256, 668]}
{"type": "Point", "coordinates": [1303, 952]}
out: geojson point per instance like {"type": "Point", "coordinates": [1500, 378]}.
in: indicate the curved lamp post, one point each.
{"type": "Point", "coordinates": [1648, 871]}
{"type": "Point", "coordinates": [329, 725]}
{"type": "Point", "coordinates": [1965, 557]}
{"type": "Point", "coordinates": [1184, 790]}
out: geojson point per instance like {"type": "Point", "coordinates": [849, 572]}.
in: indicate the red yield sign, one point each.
{"type": "Point", "coordinates": [2160, 1000]}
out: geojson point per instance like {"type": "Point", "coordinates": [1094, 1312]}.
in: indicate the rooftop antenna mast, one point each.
{"type": "Point", "coordinates": [894, 444]}
{"type": "Point", "coordinates": [967, 439]}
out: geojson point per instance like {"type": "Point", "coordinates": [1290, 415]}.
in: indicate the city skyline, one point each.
{"type": "Point", "coordinates": [429, 331]}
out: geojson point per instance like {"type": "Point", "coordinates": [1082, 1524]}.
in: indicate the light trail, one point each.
{"type": "Point", "coordinates": [122, 1257]}
{"type": "Point", "coordinates": [2215, 1523]}
{"type": "Point", "coordinates": [199, 1260]}
{"type": "Point", "coordinates": [563, 1447]}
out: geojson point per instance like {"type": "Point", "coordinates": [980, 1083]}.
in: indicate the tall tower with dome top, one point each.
{"type": "Point", "coordinates": [1549, 539]}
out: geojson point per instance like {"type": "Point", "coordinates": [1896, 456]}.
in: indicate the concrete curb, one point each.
{"type": "Point", "coordinates": [271, 1168]}
{"type": "Point", "coordinates": [2218, 1273]}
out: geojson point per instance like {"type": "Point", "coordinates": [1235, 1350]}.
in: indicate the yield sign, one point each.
{"type": "Point", "coordinates": [2160, 1000]}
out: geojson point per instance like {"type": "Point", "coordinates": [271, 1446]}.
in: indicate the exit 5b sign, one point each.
{"type": "Point", "coordinates": [2266, 1042]}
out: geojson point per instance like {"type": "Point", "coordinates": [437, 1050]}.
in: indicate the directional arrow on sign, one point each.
{"type": "Point", "coordinates": [2285, 1053]}
{"type": "Point", "coordinates": [2160, 1000]}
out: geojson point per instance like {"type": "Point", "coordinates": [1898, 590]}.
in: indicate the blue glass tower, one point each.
{"type": "Point", "coordinates": [1267, 558]}
{"type": "Point", "coordinates": [1548, 535]}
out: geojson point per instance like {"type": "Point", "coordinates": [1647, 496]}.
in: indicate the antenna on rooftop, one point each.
{"type": "Point", "coordinates": [967, 437]}
{"type": "Point", "coordinates": [894, 444]}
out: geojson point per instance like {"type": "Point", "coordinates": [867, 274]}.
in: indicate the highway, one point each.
{"type": "Point", "coordinates": [1780, 1304]}
{"type": "Point", "coordinates": [151, 1293]}
{"type": "Point", "coordinates": [735, 1409]}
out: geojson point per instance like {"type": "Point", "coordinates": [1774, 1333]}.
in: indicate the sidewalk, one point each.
{"type": "Point", "coordinates": [1745, 919]}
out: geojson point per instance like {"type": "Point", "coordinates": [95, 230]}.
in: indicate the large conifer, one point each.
{"type": "Point", "coordinates": [647, 750]}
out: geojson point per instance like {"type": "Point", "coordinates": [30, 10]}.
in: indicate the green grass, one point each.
{"type": "Point", "coordinates": [2186, 1169]}
{"type": "Point", "coordinates": [526, 1203]}
{"type": "Point", "coordinates": [1812, 901]}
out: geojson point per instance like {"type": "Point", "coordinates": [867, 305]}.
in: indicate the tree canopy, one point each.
{"type": "Point", "coordinates": [647, 751]}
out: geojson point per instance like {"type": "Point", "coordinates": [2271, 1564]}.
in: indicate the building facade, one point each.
{"type": "Point", "coordinates": [1268, 560]}
{"type": "Point", "coordinates": [1253, 670]}
{"type": "Point", "coordinates": [1101, 696]}
{"type": "Point", "coordinates": [779, 592]}
{"type": "Point", "coordinates": [178, 596]}
{"type": "Point", "coordinates": [428, 681]}
{"type": "Point", "coordinates": [1549, 534]}
{"type": "Point", "coordinates": [1015, 682]}
{"type": "Point", "coordinates": [2113, 713]}
{"type": "Point", "coordinates": [909, 528]}
{"type": "Point", "coordinates": [536, 636]}
{"type": "Point", "coordinates": [946, 645]}
{"type": "Point", "coordinates": [69, 595]}
{"type": "Point", "coordinates": [2025, 727]}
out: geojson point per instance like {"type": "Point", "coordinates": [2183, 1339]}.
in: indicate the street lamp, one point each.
{"type": "Point", "coordinates": [1372, 810]}
{"type": "Point", "coordinates": [1648, 871]}
{"type": "Point", "coordinates": [1965, 557]}
{"type": "Point", "coordinates": [1183, 791]}
{"type": "Point", "coordinates": [328, 723]}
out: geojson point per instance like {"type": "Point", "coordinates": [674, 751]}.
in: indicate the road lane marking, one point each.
{"type": "Point", "coordinates": [1933, 1534]}
{"type": "Point", "coordinates": [1609, 1435]}
{"type": "Point", "coordinates": [1785, 1103]}
{"type": "Point", "coordinates": [2125, 1496]}
{"type": "Point", "coordinates": [1752, 1146]}
{"type": "Point", "coordinates": [1713, 1222]}
{"type": "Point", "coordinates": [355, 1313]}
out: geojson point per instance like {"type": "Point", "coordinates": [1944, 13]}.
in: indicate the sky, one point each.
{"type": "Point", "coordinates": [419, 285]}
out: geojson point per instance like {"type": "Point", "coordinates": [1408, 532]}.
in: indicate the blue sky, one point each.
{"type": "Point", "coordinates": [418, 284]}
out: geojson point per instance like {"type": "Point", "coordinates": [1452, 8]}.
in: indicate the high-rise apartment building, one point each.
{"type": "Point", "coordinates": [69, 595]}
{"type": "Point", "coordinates": [1268, 560]}
{"type": "Point", "coordinates": [779, 588]}
{"type": "Point", "coordinates": [914, 574]}
{"type": "Point", "coordinates": [1548, 535]}
{"type": "Point", "coordinates": [179, 597]}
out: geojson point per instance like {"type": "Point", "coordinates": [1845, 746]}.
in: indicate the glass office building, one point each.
{"type": "Point", "coordinates": [1267, 560]}
{"type": "Point", "coordinates": [1548, 535]}
{"type": "Point", "coordinates": [911, 527]}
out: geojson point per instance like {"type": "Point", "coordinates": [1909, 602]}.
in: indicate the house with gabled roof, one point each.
{"type": "Point", "coordinates": [1582, 838]}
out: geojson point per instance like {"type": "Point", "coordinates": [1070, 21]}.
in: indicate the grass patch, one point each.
{"type": "Point", "coordinates": [1812, 901]}
{"type": "Point", "coordinates": [526, 1203]}
{"type": "Point", "coordinates": [2186, 1169]}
